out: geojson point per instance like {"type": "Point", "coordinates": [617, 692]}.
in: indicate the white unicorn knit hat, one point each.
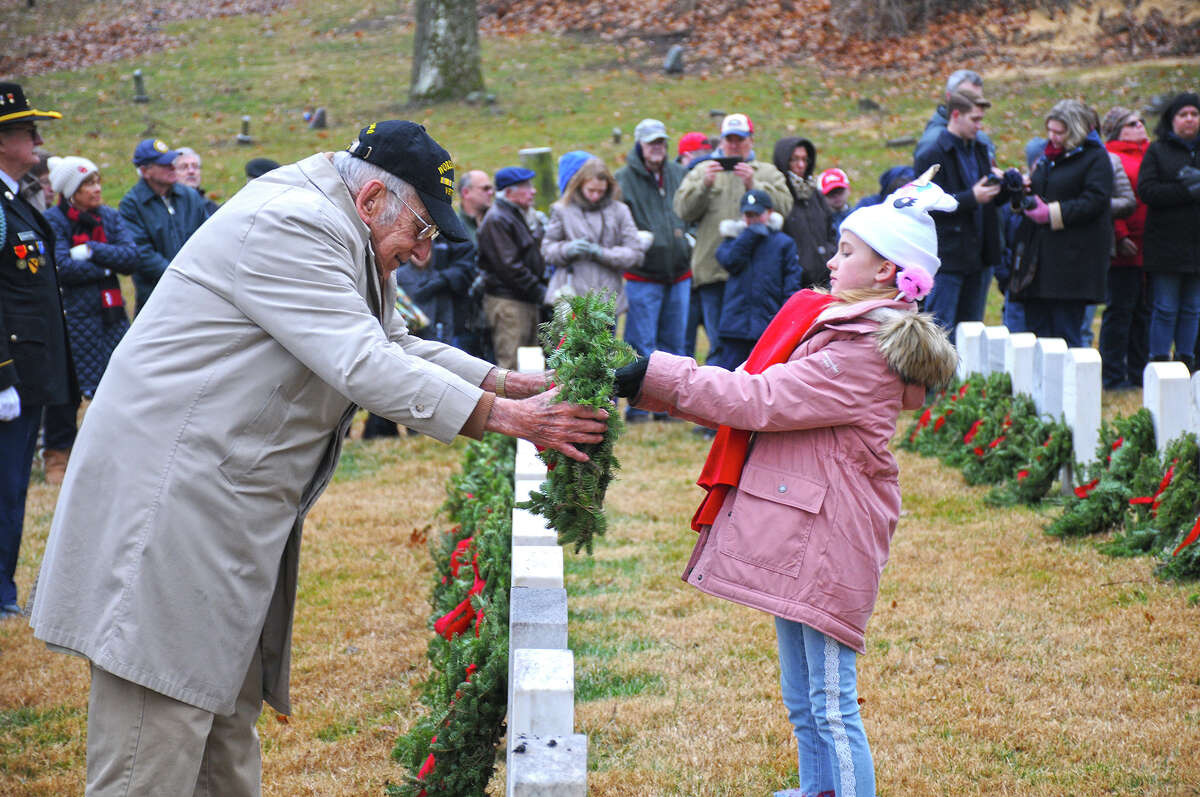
{"type": "Point", "coordinates": [900, 228]}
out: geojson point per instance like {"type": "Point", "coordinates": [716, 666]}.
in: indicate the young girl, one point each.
{"type": "Point", "coordinates": [803, 495]}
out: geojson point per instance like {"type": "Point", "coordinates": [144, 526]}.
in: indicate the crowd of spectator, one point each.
{"type": "Point", "coordinates": [693, 230]}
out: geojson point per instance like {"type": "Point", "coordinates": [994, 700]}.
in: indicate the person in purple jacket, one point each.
{"type": "Point", "coordinates": [799, 525]}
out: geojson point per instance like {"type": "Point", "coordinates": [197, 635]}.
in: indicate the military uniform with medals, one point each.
{"type": "Point", "coordinates": [34, 357]}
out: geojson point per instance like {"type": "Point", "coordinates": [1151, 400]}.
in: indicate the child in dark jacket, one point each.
{"type": "Point", "coordinates": [764, 270]}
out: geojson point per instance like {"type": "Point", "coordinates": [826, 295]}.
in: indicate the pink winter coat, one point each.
{"type": "Point", "coordinates": [806, 533]}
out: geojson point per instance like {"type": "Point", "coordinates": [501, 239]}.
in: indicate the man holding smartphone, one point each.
{"type": "Point", "coordinates": [712, 192]}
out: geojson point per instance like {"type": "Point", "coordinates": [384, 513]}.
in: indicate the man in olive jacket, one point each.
{"type": "Point", "coordinates": [173, 555]}
{"type": "Point", "coordinates": [712, 192]}
{"type": "Point", "coordinates": [658, 289]}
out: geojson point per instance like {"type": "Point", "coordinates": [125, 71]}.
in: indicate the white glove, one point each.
{"type": "Point", "coordinates": [576, 248]}
{"type": "Point", "coordinates": [10, 404]}
{"type": "Point", "coordinates": [81, 252]}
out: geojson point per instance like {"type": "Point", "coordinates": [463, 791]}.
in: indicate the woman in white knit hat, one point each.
{"type": "Point", "coordinates": [799, 525]}
{"type": "Point", "coordinates": [92, 246]}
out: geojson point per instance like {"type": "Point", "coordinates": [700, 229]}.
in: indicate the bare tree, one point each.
{"type": "Point", "coordinates": [446, 63]}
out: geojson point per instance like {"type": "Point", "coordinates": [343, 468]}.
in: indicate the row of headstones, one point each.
{"type": "Point", "coordinates": [546, 758]}
{"type": "Point", "coordinates": [1066, 382]}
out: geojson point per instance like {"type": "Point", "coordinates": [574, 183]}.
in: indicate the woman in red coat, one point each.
{"type": "Point", "coordinates": [1124, 329]}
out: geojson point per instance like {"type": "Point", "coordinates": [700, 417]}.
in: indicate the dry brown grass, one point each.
{"type": "Point", "coordinates": [999, 661]}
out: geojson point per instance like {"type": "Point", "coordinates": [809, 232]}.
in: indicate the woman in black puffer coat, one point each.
{"type": "Point", "coordinates": [1073, 185]}
{"type": "Point", "coordinates": [809, 221]}
{"type": "Point", "coordinates": [1169, 184]}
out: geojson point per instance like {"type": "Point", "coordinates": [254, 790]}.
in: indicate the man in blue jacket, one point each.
{"type": "Point", "coordinates": [162, 213]}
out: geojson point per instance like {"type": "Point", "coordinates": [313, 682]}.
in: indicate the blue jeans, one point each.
{"type": "Point", "coordinates": [1014, 315]}
{"type": "Point", "coordinates": [1174, 314]}
{"type": "Point", "coordinates": [705, 309]}
{"type": "Point", "coordinates": [820, 692]}
{"type": "Point", "coordinates": [18, 438]}
{"type": "Point", "coordinates": [958, 297]}
{"type": "Point", "coordinates": [657, 316]}
{"type": "Point", "coordinates": [1056, 318]}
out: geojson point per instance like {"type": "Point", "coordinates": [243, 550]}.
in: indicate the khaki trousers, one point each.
{"type": "Point", "coordinates": [142, 743]}
{"type": "Point", "coordinates": [513, 324]}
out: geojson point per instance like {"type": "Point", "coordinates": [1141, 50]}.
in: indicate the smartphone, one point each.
{"type": "Point", "coordinates": [728, 163]}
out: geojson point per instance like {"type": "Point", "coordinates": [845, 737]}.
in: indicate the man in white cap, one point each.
{"type": "Point", "coordinates": [711, 193]}
{"type": "Point", "coordinates": [173, 558]}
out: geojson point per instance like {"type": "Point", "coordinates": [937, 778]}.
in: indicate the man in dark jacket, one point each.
{"type": "Point", "coordinates": [510, 257]}
{"type": "Point", "coordinates": [658, 290]}
{"type": "Point", "coordinates": [35, 361]}
{"type": "Point", "coordinates": [963, 81]}
{"type": "Point", "coordinates": [969, 242]}
{"type": "Point", "coordinates": [161, 213]}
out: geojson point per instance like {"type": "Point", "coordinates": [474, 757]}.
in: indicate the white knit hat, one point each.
{"type": "Point", "coordinates": [900, 228]}
{"type": "Point", "coordinates": [67, 174]}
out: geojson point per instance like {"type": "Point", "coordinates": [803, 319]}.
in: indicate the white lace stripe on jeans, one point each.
{"type": "Point", "coordinates": [833, 714]}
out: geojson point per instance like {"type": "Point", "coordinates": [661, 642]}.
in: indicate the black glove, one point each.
{"type": "Point", "coordinates": [1190, 177]}
{"type": "Point", "coordinates": [628, 382]}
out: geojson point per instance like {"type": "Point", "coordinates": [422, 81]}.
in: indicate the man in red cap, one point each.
{"type": "Point", "coordinates": [35, 363]}
{"type": "Point", "coordinates": [835, 185]}
{"type": "Point", "coordinates": [172, 560]}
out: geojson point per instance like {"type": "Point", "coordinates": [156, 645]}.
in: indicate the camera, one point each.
{"type": "Point", "coordinates": [992, 179]}
{"type": "Point", "coordinates": [1014, 184]}
{"type": "Point", "coordinates": [728, 162]}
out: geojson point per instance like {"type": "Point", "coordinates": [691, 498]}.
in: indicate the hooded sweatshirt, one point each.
{"type": "Point", "coordinates": [809, 223]}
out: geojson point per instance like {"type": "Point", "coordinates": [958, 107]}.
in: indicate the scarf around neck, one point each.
{"type": "Point", "coordinates": [723, 468]}
{"type": "Point", "coordinates": [86, 226]}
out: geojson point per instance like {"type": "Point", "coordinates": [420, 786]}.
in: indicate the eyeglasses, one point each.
{"type": "Point", "coordinates": [1134, 123]}
{"type": "Point", "coordinates": [30, 129]}
{"type": "Point", "coordinates": [429, 231]}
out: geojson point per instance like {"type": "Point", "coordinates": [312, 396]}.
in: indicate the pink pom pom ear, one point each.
{"type": "Point", "coordinates": [914, 282]}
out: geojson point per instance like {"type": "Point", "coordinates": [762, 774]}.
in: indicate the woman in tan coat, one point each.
{"type": "Point", "coordinates": [591, 239]}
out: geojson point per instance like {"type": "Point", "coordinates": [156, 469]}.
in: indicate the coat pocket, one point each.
{"type": "Point", "coordinates": [772, 518]}
{"type": "Point", "coordinates": [253, 442]}
{"type": "Point", "coordinates": [31, 356]}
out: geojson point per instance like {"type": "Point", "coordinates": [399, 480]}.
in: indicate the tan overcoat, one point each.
{"type": "Point", "coordinates": [174, 547]}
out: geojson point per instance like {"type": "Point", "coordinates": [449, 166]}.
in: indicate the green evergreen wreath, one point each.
{"type": "Point", "coordinates": [584, 356]}
{"type": "Point", "coordinates": [451, 750]}
{"type": "Point", "coordinates": [1103, 502]}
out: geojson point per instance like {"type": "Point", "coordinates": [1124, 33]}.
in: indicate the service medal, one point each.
{"type": "Point", "coordinates": [34, 263]}
{"type": "Point", "coordinates": [19, 250]}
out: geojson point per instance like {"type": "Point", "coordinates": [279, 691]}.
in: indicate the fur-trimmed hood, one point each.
{"type": "Point", "coordinates": [732, 228]}
{"type": "Point", "coordinates": [915, 347]}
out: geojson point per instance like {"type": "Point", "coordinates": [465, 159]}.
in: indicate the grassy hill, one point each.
{"type": "Point", "coordinates": [1000, 661]}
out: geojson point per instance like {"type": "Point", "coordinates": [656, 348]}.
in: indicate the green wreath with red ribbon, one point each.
{"type": "Point", "coordinates": [451, 750]}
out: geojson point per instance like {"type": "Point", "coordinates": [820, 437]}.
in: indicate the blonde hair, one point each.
{"type": "Point", "coordinates": [856, 295]}
{"type": "Point", "coordinates": [1076, 117]}
{"type": "Point", "coordinates": [593, 168]}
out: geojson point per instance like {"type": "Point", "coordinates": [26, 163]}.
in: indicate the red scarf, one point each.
{"type": "Point", "coordinates": [85, 226]}
{"type": "Point", "coordinates": [723, 468]}
{"type": "Point", "coordinates": [1052, 151]}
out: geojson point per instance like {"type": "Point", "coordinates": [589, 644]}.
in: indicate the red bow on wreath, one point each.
{"type": "Point", "coordinates": [1155, 500]}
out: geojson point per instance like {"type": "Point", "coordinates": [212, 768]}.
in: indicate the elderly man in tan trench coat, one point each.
{"type": "Point", "coordinates": [173, 555]}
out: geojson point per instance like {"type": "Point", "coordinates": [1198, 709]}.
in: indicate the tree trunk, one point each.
{"type": "Point", "coordinates": [446, 64]}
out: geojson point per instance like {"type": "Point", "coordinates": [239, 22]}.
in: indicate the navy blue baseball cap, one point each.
{"type": "Point", "coordinates": [154, 150]}
{"type": "Point", "coordinates": [404, 149]}
{"type": "Point", "coordinates": [511, 175]}
{"type": "Point", "coordinates": [757, 201]}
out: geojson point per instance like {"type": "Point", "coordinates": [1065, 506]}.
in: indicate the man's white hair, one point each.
{"type": "Point", "coordinates": [960, 76]}
{"type": "Point", "coordinates": [356, 173]}
{"type": "Point", "coordinates": [192, 152]}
